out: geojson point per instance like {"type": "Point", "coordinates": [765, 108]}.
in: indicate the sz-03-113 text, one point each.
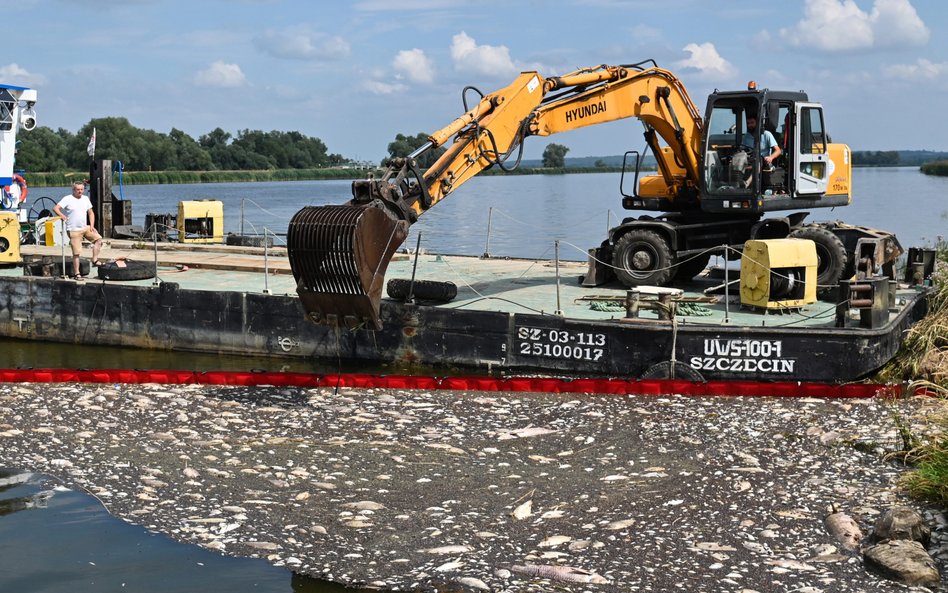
{"type": "Point", "coordinates": [560, 343]}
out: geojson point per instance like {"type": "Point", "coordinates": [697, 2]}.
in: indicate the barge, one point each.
{"type": "Point", "coordinates": [509, 316]}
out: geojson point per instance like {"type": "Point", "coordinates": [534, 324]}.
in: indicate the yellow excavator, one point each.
{"type": "Point", "coordinates": [712, 186]}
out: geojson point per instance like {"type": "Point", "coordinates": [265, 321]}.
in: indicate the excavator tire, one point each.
{"type": "Point", "coordinates": [831, 259]}
{"type": "Point", "coordinates": [643, 256]}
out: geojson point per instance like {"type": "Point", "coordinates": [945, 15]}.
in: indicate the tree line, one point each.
{"type": "Point", "coordinates": [46, 150]}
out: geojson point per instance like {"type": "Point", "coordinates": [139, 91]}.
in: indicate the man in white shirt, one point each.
{"type": "Point", "coordinates": [76, 210]}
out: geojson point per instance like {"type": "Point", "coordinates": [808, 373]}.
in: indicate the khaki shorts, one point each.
{"type": "Point", "coordinates": [76, 237]}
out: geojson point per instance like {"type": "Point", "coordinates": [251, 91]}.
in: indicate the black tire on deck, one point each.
{"type": "Point", "coordinates": [423, 290]}
{"type": "Point", "coordinates": [642, 256]}
{"type": "Point", "coordinates": [56, 268]}
{"type": "Point", "coordinates": [832, 259]}
{"type": "Point", "coordinates": [133, 270]}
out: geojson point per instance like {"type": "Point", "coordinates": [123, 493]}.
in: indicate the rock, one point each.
{"type": "Point", "coordinates": [903, 560]}
{"type": "Point", "coordinates": [901, 523]}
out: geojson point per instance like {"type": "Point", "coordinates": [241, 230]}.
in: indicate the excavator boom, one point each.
{"type": "Point", "coordinates": [339, 254]}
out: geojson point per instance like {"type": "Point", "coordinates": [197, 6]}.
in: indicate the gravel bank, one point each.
{"type": "Point", "coordinates": [476, 491]}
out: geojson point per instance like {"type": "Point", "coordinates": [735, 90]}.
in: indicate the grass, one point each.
{"type": "Point", "coordinates": [935, 168]}
{"type": "Point", "coordinates": [923, 362]}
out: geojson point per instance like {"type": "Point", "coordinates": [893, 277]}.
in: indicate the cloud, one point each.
{"type": "Point", "coordinates": [481, 59]}
{"type": "Point", "coordinates": [300, 43]}
{"type": "Point", "coordinates": [840, 25]}
{"type": "Point", "coordinates": [415, 65]}
{"type": "Point", "coordinates": [378, 87]}
{"type": "Point", "coordinates": [896, 23]}
{"type": "Point", "coordinates": [921, 70]}
{"type": "Point", "coordinates": [220, 75]}
{"type": "Point", "coordinates": [706, 60]}
{"type": "Point", "coordinates": [14, 74]}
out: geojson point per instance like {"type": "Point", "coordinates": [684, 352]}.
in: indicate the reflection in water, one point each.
{"type": "Point", "coordinates": [11, 504]}
{"type": "Point", "coordinates": [70, 543]}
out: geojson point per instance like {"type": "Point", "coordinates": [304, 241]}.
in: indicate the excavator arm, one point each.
{"type": "Point", "coordinates": [339, 254]}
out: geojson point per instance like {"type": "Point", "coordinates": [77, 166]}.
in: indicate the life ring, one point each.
{"type": "Point", "coordinates": [24, 190]}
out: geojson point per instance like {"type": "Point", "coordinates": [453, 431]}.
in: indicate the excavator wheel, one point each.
{"type": "Point", "coordinates": [643, 256]}
{"type": "Point", "coordinates": [831, 259]}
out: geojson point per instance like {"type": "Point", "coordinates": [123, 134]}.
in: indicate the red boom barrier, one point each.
{"type": "Point", "coordinates": [470, 383]}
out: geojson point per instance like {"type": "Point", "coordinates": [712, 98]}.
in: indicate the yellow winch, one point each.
{"type": "Point", "coordinates": [778, 273]}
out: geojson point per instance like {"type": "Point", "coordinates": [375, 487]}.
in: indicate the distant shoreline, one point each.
{"type": "Point", "coordinates": [65, 178]}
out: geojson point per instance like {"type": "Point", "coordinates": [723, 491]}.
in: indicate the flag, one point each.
{"type": "Point", "coordinates": [91, 148]}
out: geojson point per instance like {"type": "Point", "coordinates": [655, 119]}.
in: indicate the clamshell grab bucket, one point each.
{"type": "Point", "coordinates": [339, 255]}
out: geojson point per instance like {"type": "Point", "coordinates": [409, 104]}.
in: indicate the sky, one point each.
{"type": "Point", "coordinates": [355, 74]}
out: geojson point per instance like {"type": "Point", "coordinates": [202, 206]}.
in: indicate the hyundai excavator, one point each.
{"type": "Point", "coordinates": [711, 187]}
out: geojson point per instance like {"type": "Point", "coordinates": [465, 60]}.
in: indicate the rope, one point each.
{"type": "Point", "coordinates": [463, 281]}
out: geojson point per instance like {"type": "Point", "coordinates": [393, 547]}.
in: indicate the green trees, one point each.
{"type": "Point", "coordinates": [43, 150]}
{"type": "Point", "coordinates": [877, 157]}
{"type": "Point", "coordinates": [404, 145]}
{"type": "Point", "coordinates": [554, 155]}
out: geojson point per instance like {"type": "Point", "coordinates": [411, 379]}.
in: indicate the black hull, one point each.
{"type": "Point", "coordinates": [252, 324]}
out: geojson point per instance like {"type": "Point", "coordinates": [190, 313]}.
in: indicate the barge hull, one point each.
{"type": "Point", "coordinates": [168, 317]}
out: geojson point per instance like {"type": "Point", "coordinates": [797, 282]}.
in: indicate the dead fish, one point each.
{"type": "Point", "coordinates": [713, 547]}
{"type": "Point", "coordinates": [523, 511]}
{"type": "Point", "coordinates": [555, 540]}
{"type": "Point", "coordinates": [844, 529]}
{"type": "Point", "coordinates": [365, 505]}
{"type": "Point", "coordinates": [474, 583]}
{"type": "Point", "coordinates": [447, 550]}
{"type": "Point", "coordinates": [530, 431]}
{"type": "Point", "coordinates": [566, 574]}
{"type": "Point", "coordinates": [790, 564]}
{"type": "Point", "coordinates": [449, 566]}
{"type": "Point", "coordinates": [617, 525]}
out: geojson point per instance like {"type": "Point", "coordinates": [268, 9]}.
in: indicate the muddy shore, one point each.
{"type": "Point", "coordinates": [408, 490]}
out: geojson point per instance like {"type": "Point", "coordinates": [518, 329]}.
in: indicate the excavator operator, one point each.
{"type": "Point", "coordinates": [769, 151]}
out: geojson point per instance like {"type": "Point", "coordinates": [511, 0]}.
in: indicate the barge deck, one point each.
{"type": "Point", "coordinates": [509, 315]}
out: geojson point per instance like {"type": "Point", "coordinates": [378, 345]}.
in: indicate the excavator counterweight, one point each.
{"type": "Point", "coordinates": [339, 255]}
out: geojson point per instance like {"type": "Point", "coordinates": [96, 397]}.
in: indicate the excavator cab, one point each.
{"type": "Point", "coordinates": [735, 175]}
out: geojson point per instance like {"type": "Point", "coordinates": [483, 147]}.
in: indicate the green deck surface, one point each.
{"type": "Point", "coordinates": [496, 284]}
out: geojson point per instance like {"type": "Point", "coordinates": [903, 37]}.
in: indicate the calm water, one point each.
{"type": "Point", "coordinates": [54, 540]}
{"type": "Point", "coordinates": [68, 542]}
{"type": "Point", "coordinates": [531, 211]}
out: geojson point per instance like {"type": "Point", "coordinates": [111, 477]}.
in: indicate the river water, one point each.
{"type": "Point", "coordinates": [57, 540]}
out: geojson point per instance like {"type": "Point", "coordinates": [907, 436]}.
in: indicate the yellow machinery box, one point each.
{"type": "Point", "coordinates": [778, 273]}
{"type": "Point", "coordinates": [201, 221]}
{"type": "Point", "coordinates": [49, 231]}
{"type": "Point", "coordinates": [9, 238]}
